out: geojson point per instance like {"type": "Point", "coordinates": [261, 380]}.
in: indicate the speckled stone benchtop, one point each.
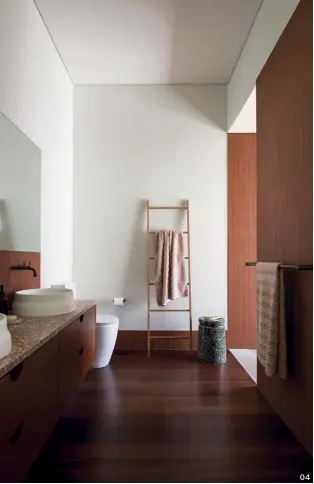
{"type": "Point", "coordinates": [32, 333]}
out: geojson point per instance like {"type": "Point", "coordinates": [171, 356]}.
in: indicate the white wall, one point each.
{"type": "Point", "coordinates": [269, 24]}
{"type": "Point", "coordinates": [246, 120]}
{"type": "Point", "coordinates": [164, 144]}
{"type": "Point", "coordinates": [36, 94]}
{"type": "Point", "coordinates": [20, 181]}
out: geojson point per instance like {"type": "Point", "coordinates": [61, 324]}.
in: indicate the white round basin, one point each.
{"type": "Point", "coordinates": [5, 337]}
{"type": "Point", "coordinates": [43, 302]}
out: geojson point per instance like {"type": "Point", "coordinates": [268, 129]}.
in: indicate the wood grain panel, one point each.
{"type": "Point", "coordinates": [241, 240]}
{"type": "Point", "coordinates": [284, 207]}
{"type": "Point", "coordinates": [129, 340]}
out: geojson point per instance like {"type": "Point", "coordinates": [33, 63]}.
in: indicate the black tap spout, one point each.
{"type": "Point", "coordinates": [24, 268]}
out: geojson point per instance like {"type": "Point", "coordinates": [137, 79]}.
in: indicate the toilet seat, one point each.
{"type": "Point", "coordinates": [106, 319]}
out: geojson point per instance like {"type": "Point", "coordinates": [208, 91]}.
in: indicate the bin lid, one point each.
{"type": "Point", "coordinates": [212, 321]}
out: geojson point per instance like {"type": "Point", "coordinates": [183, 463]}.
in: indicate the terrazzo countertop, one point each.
{"type": "Point", "coordinates": [32, 333]}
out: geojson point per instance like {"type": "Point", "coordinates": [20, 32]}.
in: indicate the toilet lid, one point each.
{"type": "Point", "coordinates": [102, 319]}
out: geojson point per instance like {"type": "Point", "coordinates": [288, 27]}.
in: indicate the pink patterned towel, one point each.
{"type": "Point", "coordinates": [170, 278]}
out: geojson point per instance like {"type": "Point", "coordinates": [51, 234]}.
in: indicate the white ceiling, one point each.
{"type": "Point", "coordinates": [149, 41]}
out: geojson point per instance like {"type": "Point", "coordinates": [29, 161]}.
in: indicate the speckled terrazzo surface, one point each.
{"type": "Point", "coordinates": [32, 333]}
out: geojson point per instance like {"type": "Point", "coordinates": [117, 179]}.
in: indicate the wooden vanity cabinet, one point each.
{"type": "Point", "coordinates": [34, 394]}
{"type": "Point", "coordinates": [28, 410]}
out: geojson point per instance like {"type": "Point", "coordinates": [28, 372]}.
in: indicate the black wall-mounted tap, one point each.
{"type": "Point", "coordinates": [24, 267]}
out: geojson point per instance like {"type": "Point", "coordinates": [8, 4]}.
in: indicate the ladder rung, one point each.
{"type": "Point", "coordinates": [152, 283]}
{"type": "Point", "coordinates": [175, 207]}
{"type": "Point", "coordinates": [169, 337]}
{"type": "Point", "coordinates": [169, 310]}
{"type": "Point", "coordinates": [153, 258]}
{"type": "Point", "coordinates": [152, 233]}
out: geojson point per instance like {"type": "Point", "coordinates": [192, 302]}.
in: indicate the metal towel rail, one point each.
{"type": "Point", "coordinates": [301, 267]}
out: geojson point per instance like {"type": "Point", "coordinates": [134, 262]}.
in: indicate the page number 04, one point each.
{"type": "Point", "coordinates": [305, 477]}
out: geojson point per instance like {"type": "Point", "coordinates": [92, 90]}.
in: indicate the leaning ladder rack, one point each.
{"type": "Point", "coordinates": [188, 258]}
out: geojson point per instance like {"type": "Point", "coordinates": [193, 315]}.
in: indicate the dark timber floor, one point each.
{"type": "Point", "coordinates": [170, 419]}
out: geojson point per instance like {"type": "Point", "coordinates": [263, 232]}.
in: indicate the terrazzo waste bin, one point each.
{"type": "Point", "coordinates": [212, 340]}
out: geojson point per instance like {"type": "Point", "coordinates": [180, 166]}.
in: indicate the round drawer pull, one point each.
{"type": "Point", "coordinates": [16, 434]}
{"type": "Point", "coordinates": [81, 351]}
{"type": "Point", "coordinates": [82, 318]}
{"type": "Point", "coordinates": [16, 372]}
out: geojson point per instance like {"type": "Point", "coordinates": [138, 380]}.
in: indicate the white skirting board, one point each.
{"type": "Point", "coordinates": [248, 360]}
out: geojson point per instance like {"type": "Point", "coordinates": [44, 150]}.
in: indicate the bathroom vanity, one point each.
{"type": "Point", "coordinates": [50, 356]}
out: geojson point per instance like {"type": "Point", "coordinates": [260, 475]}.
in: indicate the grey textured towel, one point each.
{"type": "Point", "coordinates": [271, 319]}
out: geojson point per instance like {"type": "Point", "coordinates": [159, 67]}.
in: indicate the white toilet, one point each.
{"type": "Point", "coordinates": [107, 326]}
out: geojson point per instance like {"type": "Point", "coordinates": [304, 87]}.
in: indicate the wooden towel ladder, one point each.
{"type": "Point", "coordinates": [149, 258]}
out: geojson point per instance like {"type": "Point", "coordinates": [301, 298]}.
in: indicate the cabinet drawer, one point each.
{"type": "Point", "coordinates": [76, 355]}
{"type": "Point", "coordinates": [28, 411]}
{"type": "Point", "coordinates": [70, 354]}
{"type": "Point", "coordinates": [88, 339]}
